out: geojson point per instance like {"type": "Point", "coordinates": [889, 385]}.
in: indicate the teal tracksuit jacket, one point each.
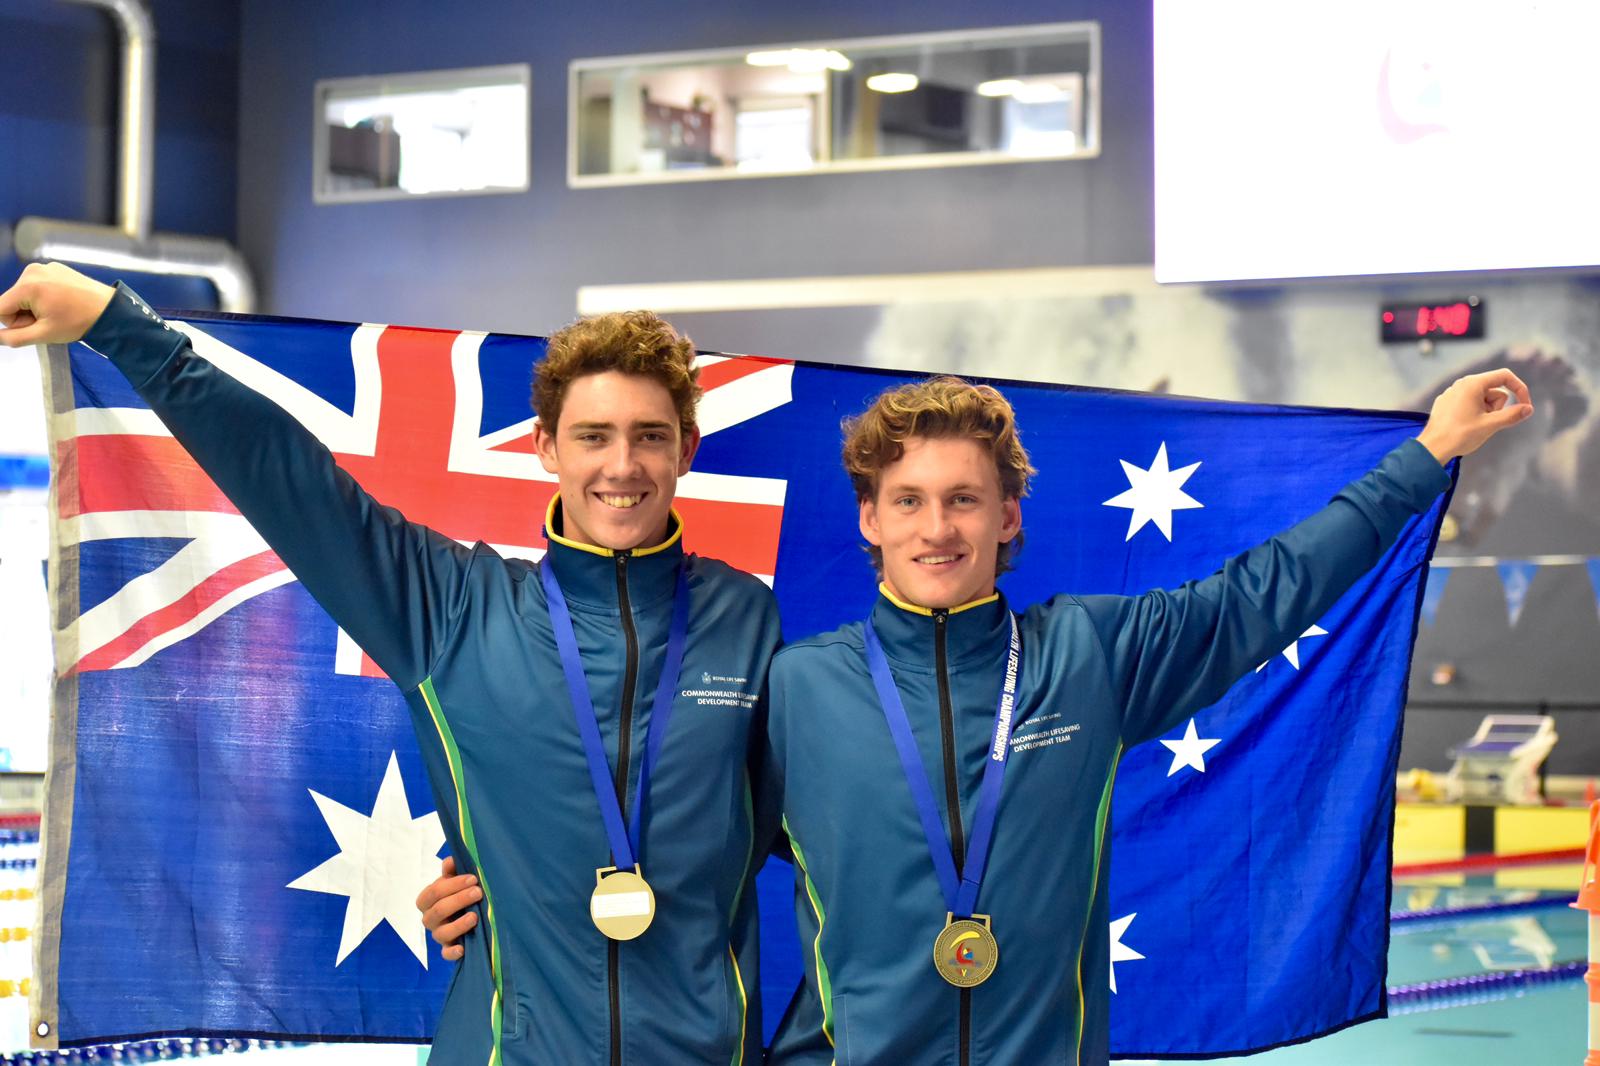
{"type": "Point", "coordinates": [466, 635]}
{"type": "Point", "coordinates": [1119, 670]}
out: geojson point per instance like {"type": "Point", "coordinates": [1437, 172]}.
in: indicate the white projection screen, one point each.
{"type": "Point", "coordinates": [1404, 136]}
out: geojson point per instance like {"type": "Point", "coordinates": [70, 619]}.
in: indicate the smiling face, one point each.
{"type": "Point", "coordinates": [618, 453]}
{"type": "Point", "coordinates": [939, 518]}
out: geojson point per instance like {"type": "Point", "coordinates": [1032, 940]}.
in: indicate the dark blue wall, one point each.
{"type": "Point", "coordinates": [58, 121]}
{"type": "Point", "coordinates": [513, 262]}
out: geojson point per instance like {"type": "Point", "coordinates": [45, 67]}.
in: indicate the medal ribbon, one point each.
{"type": "Point", "coordinates": [624, 841]}
{"type": "Point", "coordinates": [960, 889]}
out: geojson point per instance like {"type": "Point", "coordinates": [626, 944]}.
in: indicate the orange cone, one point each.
{"type": "Point", "coordinates": [1589, 900]}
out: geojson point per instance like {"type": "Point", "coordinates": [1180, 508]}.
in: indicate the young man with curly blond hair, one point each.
{"type": "Point", "coordinates": [922, 856]}
{"type": "Point", "coordinates": [541, 695]}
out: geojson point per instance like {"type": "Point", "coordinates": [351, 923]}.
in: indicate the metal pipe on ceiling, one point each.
{"type": "Point", "coordinates": [131, 244]}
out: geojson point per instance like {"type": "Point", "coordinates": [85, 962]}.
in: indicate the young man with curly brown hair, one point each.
{"type": "Point", "coordinates": [546, 698]}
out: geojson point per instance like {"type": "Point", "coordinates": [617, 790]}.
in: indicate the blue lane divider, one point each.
{"type": "Point", "coordinates": [1479, 988]}
{"type": "Point", "coordinates": [143, 1051]}
{"type": "Point", "coordinates": [1438, 915]}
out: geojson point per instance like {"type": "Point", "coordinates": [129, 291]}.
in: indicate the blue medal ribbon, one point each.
{"type": "Point", "coordinates": [624, 841]}
{"type": "Point", "coordinates": [960, 888]}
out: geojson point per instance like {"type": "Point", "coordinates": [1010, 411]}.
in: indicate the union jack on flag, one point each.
{"type": "Point", "coordinates": [415, 430]}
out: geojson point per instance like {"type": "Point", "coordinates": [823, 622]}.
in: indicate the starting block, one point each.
{"type": "Point", "coordinates": [1501, 762]}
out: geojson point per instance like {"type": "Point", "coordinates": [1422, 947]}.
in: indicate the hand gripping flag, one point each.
{"type": "Point", "coordinates": [237, 819]}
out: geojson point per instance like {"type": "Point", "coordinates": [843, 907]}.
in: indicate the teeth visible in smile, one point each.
{"type": "Point", "coordinates": [620, 502]}
{"type": "Point", "coordinates": [936, 559]}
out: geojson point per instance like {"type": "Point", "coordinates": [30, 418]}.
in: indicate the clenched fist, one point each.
{"type": "Point", "coordinates": [50, 304]}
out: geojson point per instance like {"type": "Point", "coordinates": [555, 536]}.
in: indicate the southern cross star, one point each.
{"type": "Point", "coordinates": [1154, 494]}
{"type": "Point", "coordinates": [1121, 952]}
{"type": "Point", "coordinates": [384, 859]}
{"type": "Point", "coordinates": [1189, 751]}
{"type": "Point", "coordinates": [1292, 652]}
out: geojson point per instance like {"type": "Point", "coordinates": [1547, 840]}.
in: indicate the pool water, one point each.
{"type": "Point", "coordinates": [1544, 1025]}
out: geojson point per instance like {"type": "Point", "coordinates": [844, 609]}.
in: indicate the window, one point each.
{"type": "Point", "coordinates": [440, 133]}
{"type": "Point", "coordinates": [981, 96]}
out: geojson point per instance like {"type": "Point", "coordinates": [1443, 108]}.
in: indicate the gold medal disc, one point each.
{"type": "Point", "coordinates": [622, 905]}
{"type": "Point", "coordinates": [965, 951]}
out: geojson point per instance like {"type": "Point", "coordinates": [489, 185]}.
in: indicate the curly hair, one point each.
{"type": "Point", "coordinates": [633, 342]}
{"type": "Point", "coordinates": [942, 407]}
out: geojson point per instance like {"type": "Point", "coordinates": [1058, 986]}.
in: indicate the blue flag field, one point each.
{"type": "Point", "coordinates": [237, 817]}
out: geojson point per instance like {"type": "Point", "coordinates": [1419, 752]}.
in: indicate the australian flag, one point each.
{"type": "Point", "coordinates": [237, 820]}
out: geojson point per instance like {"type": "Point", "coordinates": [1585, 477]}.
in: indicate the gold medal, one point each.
{"type": "Point", "coordinates": [965, 951]}
{"type": "Point", "coordinates": [622, 905]}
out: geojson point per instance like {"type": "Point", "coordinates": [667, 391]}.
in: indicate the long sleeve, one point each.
{"type": "Point", "coordinates": [393, 585]}
{"type": "Point", "coordinates": [1171, 652]}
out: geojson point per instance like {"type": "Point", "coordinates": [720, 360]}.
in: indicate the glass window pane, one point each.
{"type": "Point", "coordinates": [443, 132]}
{"type": "Point", "coordinates": [980, 96]}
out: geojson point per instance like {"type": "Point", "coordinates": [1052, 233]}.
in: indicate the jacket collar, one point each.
{"type": "Point", "coordinates": [974, 632]}
{"type": "Point", "coordinates": [588, 573]}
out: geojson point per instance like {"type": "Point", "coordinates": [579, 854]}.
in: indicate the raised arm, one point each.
{"type": "Point", "coordinates": [391, 584]}
{"type": "Point", "coordinates": [1171, 652]}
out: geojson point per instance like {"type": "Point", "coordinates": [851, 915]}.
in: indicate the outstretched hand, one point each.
{"type": "Point", "coordinates": [50, 304]}
{"type": "Point", "coordinates": [1472, 410]}
{"type": "Point", "coordinates": [444, 906]}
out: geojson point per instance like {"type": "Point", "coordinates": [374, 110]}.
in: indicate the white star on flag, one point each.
{"type": "Point", "coordinates": [1190, 751]}
{"type": "Point", "coordinates": [1154, 494]}
{"type": "Point", "coordinates": [383, 862]}
{"type": "Point", "coordinates": [1292, 652]}
{"type": "Point", "coordinates": [1121, 952]}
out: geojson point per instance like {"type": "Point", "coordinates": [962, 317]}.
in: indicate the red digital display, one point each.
{"type": "Point", "coordinates": [1447, 320]}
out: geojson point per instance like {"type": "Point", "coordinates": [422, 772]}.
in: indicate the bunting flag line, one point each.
{"type": "Point", "coordinates": [1517, 577]}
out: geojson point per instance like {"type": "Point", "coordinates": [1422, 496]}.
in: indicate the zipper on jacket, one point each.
{"type": "Point", "coordinates": [630, 677]}
{"type": "Point", "coordinates": [947, 738]}
{"type": "Point", "coordinates": [952, 799]}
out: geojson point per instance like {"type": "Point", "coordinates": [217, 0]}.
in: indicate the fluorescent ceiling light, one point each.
{"type": "Point", "coordinates": [815, 60]}
{"type": "Point", "coordinates": [800, 60]}
{"type": "Point", "coordinates": [892, 83]}
{"type": "Point", "coordinates": [999, 87]}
